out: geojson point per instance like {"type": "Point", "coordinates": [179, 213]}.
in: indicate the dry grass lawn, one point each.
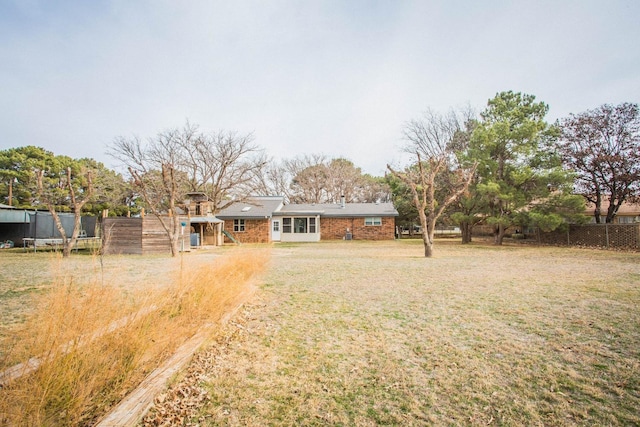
{"type": "Point", "coordinates": [25, 275]}
{"type": "Point", "coordinates": [94, 333]}
{"type": "Point", "coordinates": [355, 333]}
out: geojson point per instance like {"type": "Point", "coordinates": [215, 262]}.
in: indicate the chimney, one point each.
{"type": "Point", "coordinates": [342, 202]}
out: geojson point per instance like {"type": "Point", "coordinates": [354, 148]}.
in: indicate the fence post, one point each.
{"type": "Point", "coordinates": [568, 235]}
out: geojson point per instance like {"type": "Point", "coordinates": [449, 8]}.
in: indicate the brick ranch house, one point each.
{"type": "Point", "coordinates": [268, 219]}
{"type": "Point", "coordinates": [257, 220]}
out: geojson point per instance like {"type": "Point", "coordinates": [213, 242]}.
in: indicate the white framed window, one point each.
{"type": "Point", "coordinates": [238, 225]}
{"type": "Point", "coordinates": [373, 220]}
{"type": "Point", "coordinates": [286, 225]}
{"type": "Point", "coordinates": [299, 225]}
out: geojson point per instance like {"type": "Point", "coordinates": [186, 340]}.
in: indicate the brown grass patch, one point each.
{"type": "Point", "coordinates": [352, 333]}
{"type": "Point", "coordinates": [96, 341]}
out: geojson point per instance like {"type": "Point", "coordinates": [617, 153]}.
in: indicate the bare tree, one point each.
{"type": "Point", "coordinates": [375, 190]}
{"type": "Point", "coordinates": [343, 178]}
{"type": "Point", "coordinates": [430, 140]}
{"type": "Point", "coordinates": [315, 179]}
{"type": "Point", "coordinates": [153, 166]}
{"type": "Point", "coordinates": [307, 176]}
{"type": "Point", "coordinates": [603, 147]}
{"type": "Point", "coordinates": [309, 185]}
{"type": "Point", "coordinates": [272, 180]}
{"type": "Point", "coordinates": [65, 181]}
{"type": "Point", "coordinates": [178, 161]}
{"type": "Point", "coordinates": [222, 165]}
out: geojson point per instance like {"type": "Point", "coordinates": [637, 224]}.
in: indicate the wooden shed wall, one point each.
{"type": "Point", "coordinates": [138, 236]}
{"type": "Point", "coordinates": [154, 236]}
{"type": "Point", "coordinates": [122, 236]}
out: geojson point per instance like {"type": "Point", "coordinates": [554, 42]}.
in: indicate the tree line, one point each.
{"type": "Point", "coordinates": [506, 167]}
{"type": "Point", "coordinates": [509, 168]}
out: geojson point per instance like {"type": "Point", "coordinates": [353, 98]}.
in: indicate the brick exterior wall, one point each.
{"type": "Point", "coordinates": [255, 231]}
{"type": "Point", "coordinates": [336, 229]}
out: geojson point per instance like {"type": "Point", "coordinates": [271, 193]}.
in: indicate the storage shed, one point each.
{"type": "Point", "coordinates": [139, 236]}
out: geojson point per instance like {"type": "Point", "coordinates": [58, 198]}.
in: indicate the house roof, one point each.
{"type": "Point", "coordinates": [632, 209]}
{"type": "Point", "coordinates": [14, 216]}
{"type": "Point", "coordinates": [337, 210]}
{"type": "Point", "coordinates": [266, 207]}
{"type": "Point", "coordinates": [23, 216]}
{"type": "Point", "coordinates": [252, 208]}
{"type": "Point", "coordinates": [209, 219]}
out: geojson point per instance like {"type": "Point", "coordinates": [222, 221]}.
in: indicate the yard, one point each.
{"type": "Point", "coordinates": [26, 274]}
{"type": "Point", "coordinates": [371, 333]}
{"type": "Point", "coordinates": [355, 333]}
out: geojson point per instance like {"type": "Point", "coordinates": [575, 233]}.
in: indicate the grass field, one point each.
{"type": "Point", "coordinates": [358, 333]}
{"type": "Point", "coordinates": [93, 328]}
{"type": "Point", "coordinates": [353, 333]}
{"type": "Point", "coordinates": [25, 275]}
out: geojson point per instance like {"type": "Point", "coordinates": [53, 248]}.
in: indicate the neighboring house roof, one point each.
{"type": "Point", "coordinates": [252, 208]}
{"type": "Point", "coordinates": [337, 210]}
{"type": "Point", "coordinates": [627, 208]}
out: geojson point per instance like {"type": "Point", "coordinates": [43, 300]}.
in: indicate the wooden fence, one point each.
{"type": "Point", "coordinates": [138, 236]}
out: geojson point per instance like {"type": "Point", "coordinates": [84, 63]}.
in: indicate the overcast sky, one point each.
{"type": "Point", "coordinates": [333, 77]}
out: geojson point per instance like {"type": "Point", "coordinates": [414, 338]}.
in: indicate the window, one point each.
{"type": "Point", "coordinates": [238, 225]}
{"type": "Point", "coordinates": [276, 226]}
{"type": "Point", "coordinates": [286, 225]}
{"type": "Point", "coordinates": [299, 225]}
{"type": "Point", "coordinates": [373, 220]}
{"type": "Point", "coordinates": [626, 219]}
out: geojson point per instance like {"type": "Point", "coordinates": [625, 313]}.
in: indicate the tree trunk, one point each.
{"type": "Point", "coordinates": [175, 235]}
{"type": "Point", "coordinates": [67, 243]}
{"type": "Point", "coordinates": [56, 219]}
{"type": "Point", "coordinates": [70, 242]}
{"type": "Point", "coordinates": [428, 244]}
{"type": "Point", "coordinates": [598, 206]}
{"type": "Point", "coordinates": [428, 230]}
{"type": "Point", "coordinates": [613, 209]}
{"type": "Point", "coordinates": [427, 234]}
{"type": "Point", "coordinates": [466, 229]}
{"type": "Point", "coordinates": [499, 234]}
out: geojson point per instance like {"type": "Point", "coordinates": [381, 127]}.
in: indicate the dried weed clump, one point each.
{"type": "Point", "coordinates": [89, 344]}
